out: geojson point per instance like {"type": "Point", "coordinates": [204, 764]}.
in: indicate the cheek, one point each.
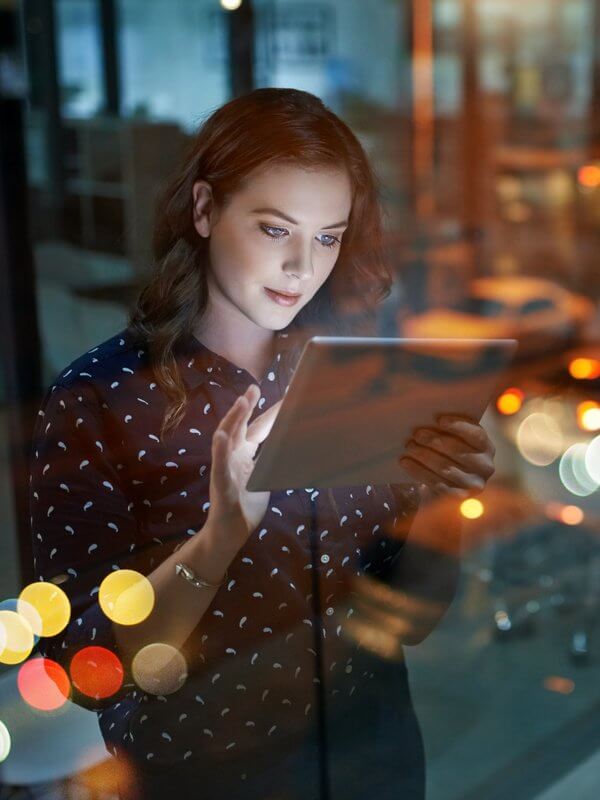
{"type": "Point", "coordinates": [237, 258]}
{"type": "Point", "coordinates": [327, 265]}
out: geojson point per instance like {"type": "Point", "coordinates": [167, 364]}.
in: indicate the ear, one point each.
{"type": "Point", "coordinates": [202, 207]}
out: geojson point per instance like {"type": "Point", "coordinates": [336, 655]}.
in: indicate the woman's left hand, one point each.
{"type": "Point", "coordinates": [455, 458]}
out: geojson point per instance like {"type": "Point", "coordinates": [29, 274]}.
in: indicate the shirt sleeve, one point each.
{"type": "Point", "coordinates": [82, 526]}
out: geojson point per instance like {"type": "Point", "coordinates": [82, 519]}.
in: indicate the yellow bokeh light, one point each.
{"type": "Point", "coordinates": [159, 668]}
{"type": "Point", "coordinates": [585, 368]}
{"type": "Point", "coordinates": [19, 637]}
{"type": "Point", "coordinates": [126, 597]}
{"type": "Point", "coordinates": [231, 5]}
{"type": "Point", "coordinates": [4, 742]}
{"type": "Point", "coordinates": [510, 401]}
{"type": "Point", "coordinates": [51, 604]}
{"type": "Point", "coordinates": [471, 508]}
{"type": "Point", "coordinates": [571, 515]}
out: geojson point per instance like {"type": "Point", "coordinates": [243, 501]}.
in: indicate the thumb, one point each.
{"type": "Point", "coordinates": [259, 429]}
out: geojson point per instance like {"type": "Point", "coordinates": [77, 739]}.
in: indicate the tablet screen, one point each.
{"type": "Point", "coordinates": [354, 402]}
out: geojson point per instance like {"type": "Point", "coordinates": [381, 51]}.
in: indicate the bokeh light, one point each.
{"type": "Point", "coordinates": [592, 459]}
{"type": "Point", "coordinates": [19, 637]}
{"type": "Point", "coordinates": [585, 368]}
{"type": "Point", "coordinates": [556, 683]}
{"type": "Point", "coordinates": [4, 742]}
{"type": "Point", "coordinates": [43, 684]}
{"type": "Point", "coordinates": [588, 416]}
{"type": "Point", "coordinates": [159, 668]}
{"type": "Point", "coordinates": [126, 597]}
{"type": "Point", "coordinates": [540, 439]}
{"type": "Point", "coordinates": [571, 515]}
{"type": "Point", "coordinates": [471, 508]}
{"type": "Point", "coordinates": [510, 401]}
{"type": "Point", "coordinates": [52, 606]}
{"type": "Point", "coordinates": [25, 610]}
{"type": "Point", "coordinates": [96, 672]}
{"type": "Point", "coordinates": [231, 5]}
{"type": "Point", "coordinates": [573, 472]}
{"type": "Point", "coordinates": [589, 176]}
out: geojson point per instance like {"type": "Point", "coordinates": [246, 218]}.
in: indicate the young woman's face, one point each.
{"type": "Point", "coordinates": [281, 232]}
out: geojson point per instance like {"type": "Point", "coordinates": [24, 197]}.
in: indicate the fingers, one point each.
{"type": "Point", "coordinates": [250, 396]}
{"type": "Point", "coordinates": [219, 474]}
{"type": "Point", "coordinates": [442, 477]}
{"type": "Point", "coordinates": [434, 444]}
{"type": "Point", "coordinates": [229, 418]}
{"type": "Point", "coordinates": [224, 440]}
{"type": "Point", "coordinates": [470, 432]}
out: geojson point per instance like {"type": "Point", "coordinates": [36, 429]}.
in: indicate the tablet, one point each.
{"type": "Point", "coordinates": [354, 402]}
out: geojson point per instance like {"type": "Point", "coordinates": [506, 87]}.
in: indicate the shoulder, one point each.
{"type": "Point", "coordinates": [118, 362]}
{"type": "Point", "coordinates": [107, 357]}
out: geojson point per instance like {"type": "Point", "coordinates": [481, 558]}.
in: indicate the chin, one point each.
{"type": "Point", "coordinates": [285, 323]}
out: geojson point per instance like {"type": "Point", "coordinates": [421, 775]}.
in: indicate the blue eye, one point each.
{"type": "Point", "coordinates": [267, 228]}
{"type": "Point", "coordinates": [334, 241]}
{"type": "Point", "coordinates": [282, 232]}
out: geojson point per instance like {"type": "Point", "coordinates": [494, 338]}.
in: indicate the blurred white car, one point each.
{"type": "Point", "coordinates": [537, 312]}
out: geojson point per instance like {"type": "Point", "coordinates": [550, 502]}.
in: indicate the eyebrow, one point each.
{"type": "Point", "coordinates": [278, 213]}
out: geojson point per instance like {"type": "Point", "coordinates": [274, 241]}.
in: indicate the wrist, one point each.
{"type": "Point", "coordinates": [227, 532]}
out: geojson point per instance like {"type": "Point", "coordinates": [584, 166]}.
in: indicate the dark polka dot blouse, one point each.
{"type": "Point", "coordinates": [107, 493]}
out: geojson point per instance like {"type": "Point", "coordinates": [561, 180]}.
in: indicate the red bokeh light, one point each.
{"type": "Point", "coordinates": [96, 672]}
{"type": "Point", "coordinates": [43, 684]}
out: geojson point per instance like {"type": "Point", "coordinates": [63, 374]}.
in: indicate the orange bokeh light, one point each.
{"type": "Point", "coordinates": [589, 176]}
{"type": "Point", "coordinates": [96, 672]}
{"type": "Point", "coordinates": [571, 515]}
{"type": "Point", "coordinates": [510, 401]}
{"type": "Point", "coordinates": [556, 683]}
{"type": "Point", "coordinates": [43, 684]}
{"type": "Point", "coordinates": [585, 368]}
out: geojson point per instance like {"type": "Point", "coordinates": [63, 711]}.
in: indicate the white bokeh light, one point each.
{"type": "Point", "coordinates": [592, 459]}
{"type": "Point", "coordinates": [539, 439]}
{"type": "Point", "coordinates": [573, 472]}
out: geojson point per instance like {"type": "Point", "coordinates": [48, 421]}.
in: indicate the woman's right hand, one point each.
{"type": "Point", "coordinates": [234, 445]}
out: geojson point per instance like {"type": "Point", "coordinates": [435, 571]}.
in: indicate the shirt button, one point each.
{"type": "Point", "coordinates": [329, 611]}
{"type": "Point", "coordinates": [325, 558]}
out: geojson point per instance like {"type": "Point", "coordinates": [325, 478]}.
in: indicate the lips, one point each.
{"type": "Point", "coordinates": [285, 294]}
{"type": "Point", "coordinates": [282, 299]}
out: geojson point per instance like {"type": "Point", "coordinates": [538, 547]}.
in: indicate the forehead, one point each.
{"type": "Point", "coordinates": [303, 194]}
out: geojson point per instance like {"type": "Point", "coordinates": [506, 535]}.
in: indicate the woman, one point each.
{"type": "Point", "coordinates": [250, 677]}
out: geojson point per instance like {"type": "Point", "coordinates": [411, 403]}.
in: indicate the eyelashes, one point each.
{"type": "Point", "coordinates": [335, 242]}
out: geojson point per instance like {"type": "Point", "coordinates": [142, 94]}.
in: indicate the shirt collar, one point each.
{"type": "Point", "coordinates": [199, 364]}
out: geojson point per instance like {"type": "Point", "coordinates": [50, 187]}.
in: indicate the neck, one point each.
{"type": "Point", "coordinates": [239, 341]}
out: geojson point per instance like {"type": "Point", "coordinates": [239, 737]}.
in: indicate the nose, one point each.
{"type": "Point", "coordinates": [300, 263]}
